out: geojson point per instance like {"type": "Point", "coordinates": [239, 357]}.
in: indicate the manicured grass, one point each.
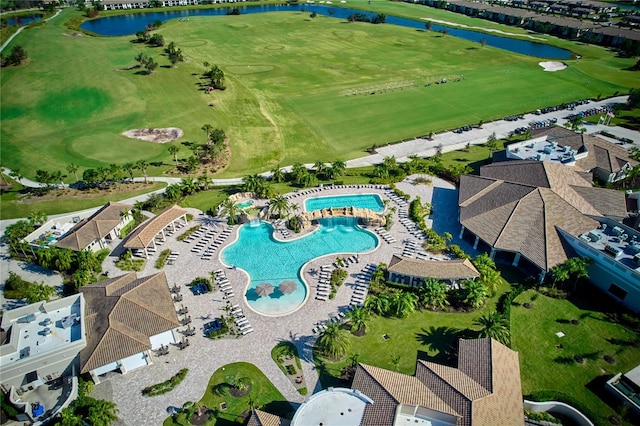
{"type": "Point", "coordinates": [12, 207]}
{"type": "Point", "coordinates": [544, 367]}
{"type": "Point", "coordinates": [263, 394]}
{"type": "Point", "coordinates": [423, 334]}
{"type": "Point", "coordinates": [286, 89]}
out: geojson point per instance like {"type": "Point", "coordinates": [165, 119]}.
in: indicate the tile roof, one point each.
{"type": "Point", "coordinates": [100, 224]}
{"type": "Point", "coordinates": [262, 418]}
{"type": "Point", "coordinates": [444, 270]}
{"type": "Point", "coordinates": [515, 215]}
{"type": "Point", "coordinates": [485, 389]}
{"type": "Point", "coordinates": [145, 233]}
{"type": "Point", "coordinates": [121, 314]}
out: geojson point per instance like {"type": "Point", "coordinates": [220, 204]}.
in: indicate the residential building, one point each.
{"type": "Point", "coordinates": [126, 317]}
{"type": "Point", "coordinates": [626, 387]}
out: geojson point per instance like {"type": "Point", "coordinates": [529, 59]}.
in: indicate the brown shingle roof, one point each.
{"type": "Point", "coordinates": [121, 314]}
{"type": "Point", "coordinates": [485, 389]}
{"type": "Point", "coordinates": [143, 235]}
{"type": "Point", "coordinates": [443, 270]}
{"type": "Point", "coordinates": [100, 224]}
{"type": "Point", "coordinates": [262, 418]}
{"type": "Point", "coordinates": [517, 216]}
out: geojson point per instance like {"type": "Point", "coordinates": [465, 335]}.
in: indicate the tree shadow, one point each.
{"type": "Point", "coordinates": [563, 321]}
{"type": "Point", "coordinates": [567, 360]}
{"type": "Point", "coordinates": [443, 340]}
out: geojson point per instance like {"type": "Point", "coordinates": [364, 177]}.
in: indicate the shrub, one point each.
{"type": "Point", "coordinates": [162, 259]}
{"type": "Point", "coordinates": [188, 233]}
{"type": "Point", "coordinates": [541, 416]}
{"type": "Point", "coordinates": [15, 287]}
{"type": "Point", "coordinates": [166, 386]}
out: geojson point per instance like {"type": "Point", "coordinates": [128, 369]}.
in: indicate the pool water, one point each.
{"type": "Point", "coordinates": [363, 201]}
{"type": "Point", "coordinates": [243, 205]}
{"type": "Point", "coordinates": [267, 260]}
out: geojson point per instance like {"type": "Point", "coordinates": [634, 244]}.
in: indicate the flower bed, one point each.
{"type": "Point", "coordinates": [166, 386]}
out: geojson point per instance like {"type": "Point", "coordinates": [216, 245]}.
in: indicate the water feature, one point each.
{"type": "Point", "coordinates": [23, 20]}
{"type": "Point", "coordinates": [130, 24]}
{"type": "Point", "coordinates": [267, 260]}
{"type": "Point", "coordinates": [254, 221]}
{"type": "Point", "coordinates": [363, 201]}
{"type": "Point", "coordinates": [244, 204]}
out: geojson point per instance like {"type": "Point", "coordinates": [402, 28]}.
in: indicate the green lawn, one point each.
{"type": "Point", "coordinates": [287, 83]}
{"type": "Point", "coordinates": [14, 206]}
{"type": "Point", "coordinates": [263, 395]}
{"type": "Point", "coordinates": [423, 334]}
{"type": "Point", "coordinates": [545, 367]}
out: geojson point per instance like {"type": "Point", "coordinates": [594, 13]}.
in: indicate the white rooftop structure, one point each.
{"type": "Point", "coordinates": [332, 406]}
{"type": "Point", "coordinates": [40, 342]}
{"type": "Point", "coordinates": [544, 149]}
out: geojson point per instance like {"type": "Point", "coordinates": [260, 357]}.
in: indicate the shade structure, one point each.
{"type": "Point", "coordinates": [287, 287]}
{"type": "Point", "coordinates": [264, 289]}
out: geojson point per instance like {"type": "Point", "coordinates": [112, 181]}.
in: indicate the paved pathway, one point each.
{"type": "Point", "coordinates": [21, 28]}
{"type": "Point", "coordinates": [204, 356]}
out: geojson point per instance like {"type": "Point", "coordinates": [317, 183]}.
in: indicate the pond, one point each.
{"type": "Point", "coordinates": [122, 25]}
{"type": "Point", "coordinates": [23, 20]}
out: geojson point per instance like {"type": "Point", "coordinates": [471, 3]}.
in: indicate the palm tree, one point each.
{"type": "Point", "coordinates": [378, 304]}
{"type": "Point", "coordinates": [337, 169]}
{"type": "Point", "coordinates": [230, 208]}
{"type": "Point", "coordinates": [129, 168]}
{"type": "Point", "coordinates": [87, 260]}
{"type": "Point", "coordinates": [115, 171]}
{"type": "Point", "coordinates": [489, 276]}
{"type": "Point", "coordinates": [334, 341]}
{"type": "Point", "coordinates": [39, 293]}
{"type": "Point", "coordinates": [358, 319]}
{"type": "Point", "coordinates": [320, 168]}
{"type": "Point", "coordinates": [309, 180]}
{"type": "Point", "coordinates": [188, 186]}
{"type": "Point", "coordinates": [203, 181]}
{"type": "Point", "coordinates": [559, 273]}
{"type": "Point", "coordinates": [577, 267]}
{"type": "Point", "coordinates": [207, 128]}
{"type": "Point", "coordinates": [102, 413]}
{"type": "Point", "coordinates": [250, 183]}
{"type": "Point", "coordinates": [68, 417]}
{"type": "Point", "coordinates": [63, 260]}
{"type": "Point", "coordinates": [142, 165]}
{"type": "Point", "coordinates": [298, 171]}
{"type": "Point", "coordinates": [390, 162]}
{"type": "Point", "coordinates": [73, 168]}
{"type": "Point", "coordinates": [381, 171]}
{"type": "Point", "coordinates": [494, 326]}
{"type": "Point", "coordinates": [277, 175]}
{"type": "Point", "coordinates": [403, 303]}
{"type": "Point", "coordinates": [173, 150]}
{"type": "Point", "coordinates": [434, 294]}
{"type": "Point", "coordinates": [279, 206]}
{"type": "Point", "coordinates": [37, 218]}
{"type": "Point", "coordinates": [475, 293]}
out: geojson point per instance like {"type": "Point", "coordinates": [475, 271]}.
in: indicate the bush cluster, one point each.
{"type": "Point", "coordinates": [166, 386]}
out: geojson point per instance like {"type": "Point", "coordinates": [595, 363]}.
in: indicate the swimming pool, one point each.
{"type": "Point", "coordinates": [244, 204]}
{"type": "Point", "coordinates": [267, 260]}
{"type": "Point", "coordinates": [363, 201]}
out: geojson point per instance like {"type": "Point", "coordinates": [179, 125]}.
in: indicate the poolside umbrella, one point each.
{"type": "Point", "coordinates": [264, 289]}
{"type": "Point", "coordinates": [287, 287]}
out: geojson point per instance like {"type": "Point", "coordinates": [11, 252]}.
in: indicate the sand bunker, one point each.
{"type": "Point", "coordinates": [553, 66]}
{"type": "Point", "coordinates": [167, 134]}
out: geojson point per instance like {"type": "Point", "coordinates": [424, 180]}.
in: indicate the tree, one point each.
{"type": "Point", "coordinates": [15, 174]}
{"type": "Point", "coordinates": [279, 206]}
{"type": "Point", "coordinates": [428, 25]}
{"type": "Point", "coordinates": [39, 293]}
{"type": "Point", "coordinates": [434, 294]}
{"type": "Point", "coordinates": [334, 340]}
{"type": "Point", "coordinates": [381, 171]}
{"type": "Point", "coordinates": [358, 319]}
{"type": "Point", "coordinates": [320, 168]}
{"type": "Point", "coordinates": [156, 40]}
{"type": "Point", "coordinates": [176, 56]}
{"type": "Point", "coordinates": [492, 144]}
{"type": "Point", "coordinates": [309, 180]}
{"type": "Point", "coordinates": [173, 192]}
{"type": "Point", "coordinates": [63, 260]}
{"type": "Point", "coordinates": [188, 186]}
{"type": "Point", "coordinates": [475, 293]}
{"type": "Point", "coordinates": [142, 36]}
{"type": "Point", "coordinates": [494, 326]}
{"type": "Point", "coordinates": [217, 77]}
{"type": "Point", "coordinates": [142, 166]}
{"type": "Point", "coordinates": [151, 65]}
{"type": "Point", "coordinates": [173, 150]}
{"type": "Point", "coordinates": [101, 412]}
{"type": "Point", "coordinates": [489, 276]}
{"type": "Point", "coordinates": [37, 218]}
{"type": "Point", "coordinates": [203, 181]}
{"type": "Point", "coordinates": [390, 163]}
{"type": "Point", "coordinates": [403, 303]}
{"type": "Point", "coordinates": [72, 168]}
{"type": "Point", "coordinates": [129, 168]}
{"type": "Point", "coordinates": [337, 169]}
{"type": "Point", "coordinates": [207, 128]}
{"type": "Point", "coordinates": [142, 58]}
{"type": "Point", "coordinates": [277, 175]}
{"type": "Point", "coordinates": [16, 57]}
{"type": "Point", "coordinates": [577, 267]}
{"type": "Point", "coordinates": [229, 208]}
{"type": "Point", "coordinates": [634, 95]}
{"type": "Point", "coordinates": [575, 122]}
{"type": "Point", "coordinates": [68, 417]}
{"type": "Point", "coordinates": [298, 171]}
{"type": "Point", "coordinates": [483, 41]}
{"type": "Point", "coordinates": [378, 304]}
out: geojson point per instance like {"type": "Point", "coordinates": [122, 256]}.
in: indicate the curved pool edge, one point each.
{"type": "Point", "coordinates": [384, 207]}
{"type": "Point", "coordinates": [299, 272]}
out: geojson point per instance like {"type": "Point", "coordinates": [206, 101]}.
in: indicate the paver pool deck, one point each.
{"type": "Point", "coordinates": [204, 356]}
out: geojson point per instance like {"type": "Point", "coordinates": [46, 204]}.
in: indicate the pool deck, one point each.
{"type": "Point", "coordinates": [204, 356]}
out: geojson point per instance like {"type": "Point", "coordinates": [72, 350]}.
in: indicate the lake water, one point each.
{"type": "Point", "coordinates": [23, 20]}
{"type": "Point", "coordinates": [130, 24]}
